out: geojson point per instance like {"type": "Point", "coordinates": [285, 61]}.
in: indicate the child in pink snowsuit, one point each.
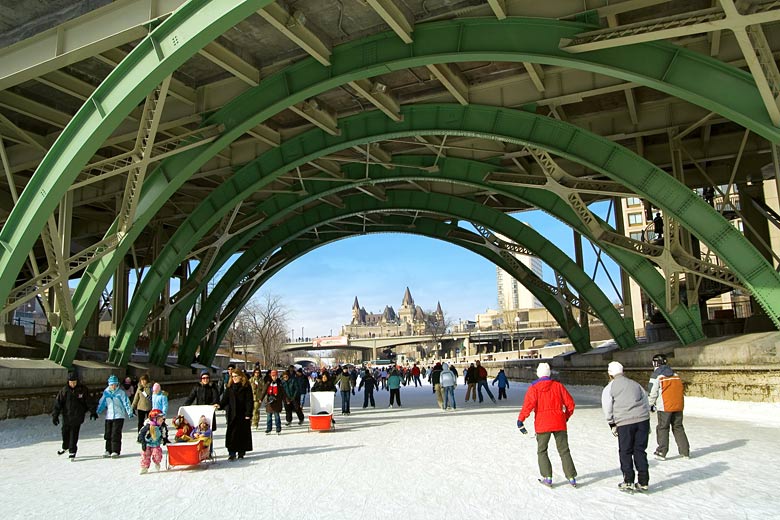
{"type": "Point", "coordinates": [152, 437]}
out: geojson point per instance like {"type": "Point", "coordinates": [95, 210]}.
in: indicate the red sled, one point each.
{"type": "Point", "coordinates": [194, 452]}
{"type": "Point", "coordinates": [321, 413]}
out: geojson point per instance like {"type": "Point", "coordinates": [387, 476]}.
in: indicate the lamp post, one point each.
{"type": "Point", "coordinates": [517, 328]}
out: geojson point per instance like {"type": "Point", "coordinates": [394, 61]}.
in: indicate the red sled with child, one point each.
{"type": "Point", "coordinates": [194, 436]}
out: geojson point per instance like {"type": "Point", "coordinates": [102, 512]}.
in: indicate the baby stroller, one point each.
{"type": "Point", "coordinates": [193, 452]}
{"type": "Point", "coordinates": [321, 411]}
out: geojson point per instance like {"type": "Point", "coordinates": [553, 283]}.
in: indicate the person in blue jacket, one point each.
{"type": "Point", "coordinates": [160, 399]}
{"type": "Point", "coordinates": [503, 384]}
{"type": "Point", "coordinates": [117, 406]}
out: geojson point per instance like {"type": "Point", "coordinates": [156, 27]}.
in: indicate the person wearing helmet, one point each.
{"type": "Point", "coordinates": [152, 436]}
{"type": "Point", "coordinates": [667, 399]}
{"type": "Point", "coordinates": [117, 406]}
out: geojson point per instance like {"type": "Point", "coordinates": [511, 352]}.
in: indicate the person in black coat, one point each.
{"type": "Point", "coordinates": [72, 402]}
{"type": "Point", "coordinates": [324, 384]}
{"type": "Point", "coordinates": [238, 403]}
{"type": "Point", "coordinates": [371, 385]}
{"type": "Point", "coordinates": [206, 393]}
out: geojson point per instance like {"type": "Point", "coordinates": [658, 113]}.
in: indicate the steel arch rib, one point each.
{"type": "Point", "coordinates": [461, 171]}
{"type": "Point", "coordinates": [488, 122]}
{"type": "Point", "coordinates": [180, 36]}
{"type": "Point", "coordinates": [662, 66]}
{"type": "Point", "coordinates": [440, 204]}
{"type": "Point", "coordinates": [482, 121]}
{"type": "Point", "coordinates": [423, 227]}
{"type": "Point", "coordinates": [698, 79]}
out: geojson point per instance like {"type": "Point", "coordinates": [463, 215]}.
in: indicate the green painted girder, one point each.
{"type": "Point", "coordinates": [666, 67]}
{"type": "Point", "coordinates": [490, 123]}
{"type": "Point", "coordinates": [173, 42]}
{"type": "Point", "coordinates": [460, 171]}
{"type": "Point", "coordinates": [222, 199]}
{"type": "Point", "coordinates": [283, 233]}
{"type": "Point", "coordinates": [422, 227]}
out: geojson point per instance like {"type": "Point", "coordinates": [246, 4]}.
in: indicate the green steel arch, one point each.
{"type": "Point", "coordinates": [439, 204]}
{"type": "Point", "coordinates": [173, 42]}
{"type": "Point", "coordinates": [523, 128]}
{"type": "Point", "coordinates": [460, 171]}
{"type": "Point", "coordinates": [698, 79]}
{"type": "Point", "coordinates": [291, 251]}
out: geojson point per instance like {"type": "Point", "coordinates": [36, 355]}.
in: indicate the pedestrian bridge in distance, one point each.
{"type": "Point", "coordinates": [467, 343]}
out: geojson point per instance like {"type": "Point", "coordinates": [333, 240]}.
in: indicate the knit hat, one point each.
{"type": "Point", "coordinates": [204, 372]}
{"type": "Point", "coordinates": [156, 387]}
{"type": "Point", "coordinates": [543, 370]}
{"type": "Point", "coordinates": [73, 375]}
{"type": "Point", "coordinates": [614, 368]}
{"type": "Point", "coordinates": [113, 380]}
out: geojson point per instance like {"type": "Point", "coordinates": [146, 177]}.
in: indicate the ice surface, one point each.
{"type": "Point", "coordinates": [411, 462]}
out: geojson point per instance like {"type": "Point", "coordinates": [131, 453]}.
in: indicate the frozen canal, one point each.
{"type": "Point", "coordinates": [412, 462]}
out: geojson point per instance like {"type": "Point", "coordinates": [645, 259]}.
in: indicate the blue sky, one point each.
{"type": "Point", "coordinates": [319, 288]}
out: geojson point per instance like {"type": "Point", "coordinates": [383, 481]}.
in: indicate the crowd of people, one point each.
{"type": "Point", "coordinates": [625, 403]}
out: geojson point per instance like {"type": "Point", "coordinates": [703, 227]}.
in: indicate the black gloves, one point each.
{"type": "Point", "coordinates": [93, 416]}
{"type": "Point", "coordinates": [55, 420]}
{"type": "Point", "coordinates": [521, 427]}
{"type": "Point", "coordinates": [614, 429]}
{"type": "Point", "coordinates": [652, 408]}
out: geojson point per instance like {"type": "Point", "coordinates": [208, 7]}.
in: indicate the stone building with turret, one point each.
{"type": "Point", "coordinates": [408, 321]}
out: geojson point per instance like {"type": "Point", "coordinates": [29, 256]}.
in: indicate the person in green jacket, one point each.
{"type": "Point", "coordinates": [292, 400]}
{"type": "Point", "coordinates": [344, 382]}
{"type": "Point", "coordinates": [394, 385]}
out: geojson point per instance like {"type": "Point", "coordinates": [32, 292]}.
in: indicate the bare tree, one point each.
{"type": "Point", "coordinates": [437, 325]}
{"type": "Point", "coordinates": [265, 320]}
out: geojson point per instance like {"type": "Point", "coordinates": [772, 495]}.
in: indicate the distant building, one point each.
{"type": "Point", "coordinates": [513, 295]}
{"type": "Point", "coordinates": [409, 320]}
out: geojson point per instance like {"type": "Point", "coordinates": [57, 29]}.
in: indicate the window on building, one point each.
{"type": "Point", "coordinates": [635, 219]}
{"type": "Point", "coordinates": [633, 201]}
{"type": "Point", "coordinates": [636, 235]}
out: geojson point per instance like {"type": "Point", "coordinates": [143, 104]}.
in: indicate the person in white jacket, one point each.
{"type": "Point", "coordinates": [117, 406]}
{"type": "Point", "coordinates": [448, 383]}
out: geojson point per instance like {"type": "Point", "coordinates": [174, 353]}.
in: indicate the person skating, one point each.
{"type": "Point", "coordinates": [117, 406]}
{"type": "Point", "coordinates": [552, 406]}
{"type": "Point", "coordinates": [371, 384]}
{"type": "Point", "coordinates": [344, 383]}
{"type": "Point", "coordinates": [667, 398]}
{"type": "Point", "coordinates": [237, 403]}
{"type": "Point", "coordinates": [292, 399]}
{"type": "Point", "coordinates": [448, 382]}
{"type": "Point", "coordinates": [273, 393]}
{"type": "Point", "coordinates": [142, 400]}
{"type": "Point", "coordinates": [482, 376]}
{"type": "Point", "coordinates": [394, 385]}
{"type": "Point", "coordinates": [627, 411]}
{"type": "Point", "coordinates": [72, 402]}
{"type": "Point", "coordinates": [470, 377]}
{"type": "Point", "coordinates": [153, 435]}
{"type": "Point", "coordinates": [503, 384]}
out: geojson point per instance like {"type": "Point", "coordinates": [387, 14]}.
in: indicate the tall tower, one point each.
{"type": "Point", "coordinates": [356, 312]}
{"type": "Point", "coordinates": [513, 295]}
{"type": "Point", "coordinates": [406, 313]}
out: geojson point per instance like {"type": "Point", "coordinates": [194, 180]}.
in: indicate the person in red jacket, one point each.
{"type": "Point", "coordinates": [552, 405]}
